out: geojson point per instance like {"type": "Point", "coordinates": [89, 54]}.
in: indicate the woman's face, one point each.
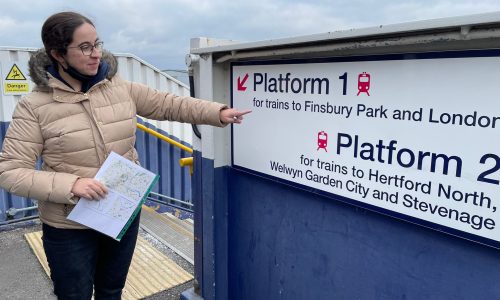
{"type": "Point", "coordinates": [84, 36]}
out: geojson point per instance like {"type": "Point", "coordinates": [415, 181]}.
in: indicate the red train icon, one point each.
{"type": "Point", "coordinates": [322, 140]}
{"type": "Point", "coordinates": [363, 83]}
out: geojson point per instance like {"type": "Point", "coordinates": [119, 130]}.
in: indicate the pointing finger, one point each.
{"type": "Point", "coordinates": [241, 113]}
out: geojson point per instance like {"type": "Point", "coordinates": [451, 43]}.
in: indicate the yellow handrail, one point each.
{"type": "Point", "coordinates": [187, 162]}
{"type": "Point", "coordinates": [184, 162]}
{"type": "Point", "coordinates": [166, 139]}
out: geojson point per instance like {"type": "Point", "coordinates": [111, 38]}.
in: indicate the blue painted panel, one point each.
{"type": "Point", "coordinates": [165, 165]}
{"type": "Point", "coordinates": [4, 196]}
{"type": "Point", "coordinates": [210, 193]}
{"type": "Point", "coordinates": [8, 200]}
{"type": "Point", "coordinates": [198, 219]}
{"type": "Point", "coordinates": [220, 231]}
{"type": "Point", "coordinates": [286, 243]}
{"type": "Point", "coordinates": [210, 196]}
{"type": "Point", "coordinates": [207, 207]}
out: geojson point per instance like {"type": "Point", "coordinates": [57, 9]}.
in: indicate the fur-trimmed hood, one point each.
{"type": "Point", "coordinates": [40, 61]}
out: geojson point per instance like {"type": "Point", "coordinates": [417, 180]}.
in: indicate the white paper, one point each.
{"type": "Point", "coordinates": [127, 185]}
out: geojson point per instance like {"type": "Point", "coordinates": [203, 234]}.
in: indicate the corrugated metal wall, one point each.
{"type": "Point", "coordinates": [155, 155]}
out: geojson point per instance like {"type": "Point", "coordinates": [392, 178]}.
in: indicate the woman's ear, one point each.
{"type": "Point", "coordinates": [57, 56]}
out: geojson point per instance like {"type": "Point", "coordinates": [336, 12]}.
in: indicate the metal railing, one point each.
{"type": "Point", "coordinates": [182, 206]}
{"type": "Point", "coordinates": [164, 138]}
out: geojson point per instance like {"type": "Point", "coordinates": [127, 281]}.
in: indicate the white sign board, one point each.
{"type": "Point", "coordinates": [413, 136]}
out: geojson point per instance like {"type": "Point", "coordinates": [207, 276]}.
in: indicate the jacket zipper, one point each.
{"type": "Point", "coordinates": [92, 123]}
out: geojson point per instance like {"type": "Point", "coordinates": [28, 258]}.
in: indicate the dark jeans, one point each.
{"type": "Point", "coordinates": [83, 259]}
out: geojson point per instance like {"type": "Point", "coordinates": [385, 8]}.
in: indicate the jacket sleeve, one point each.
{"type": "Point", "coordinates": [157, 105]}
{"type": "Point", "coordinates": [22, 146]}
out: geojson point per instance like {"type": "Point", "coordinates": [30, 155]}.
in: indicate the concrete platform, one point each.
{"type": "Point", "coordinates": [22, 276]}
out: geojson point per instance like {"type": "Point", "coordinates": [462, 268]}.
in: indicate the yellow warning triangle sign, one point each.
{"type": "Point", "coordinates": [15, 74]}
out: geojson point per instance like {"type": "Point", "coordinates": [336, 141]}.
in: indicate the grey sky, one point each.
{"type": "Point", "coordinates": [159, 31]}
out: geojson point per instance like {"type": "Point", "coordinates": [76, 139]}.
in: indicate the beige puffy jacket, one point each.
{"type": "Point", "coordinates": [73, 133]}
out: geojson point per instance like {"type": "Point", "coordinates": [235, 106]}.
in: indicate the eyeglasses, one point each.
{"type": "Point", "coordinates": [88, 48]}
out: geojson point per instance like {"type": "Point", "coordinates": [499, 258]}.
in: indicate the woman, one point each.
{"type": "Point", "coordinates": [79, 112]}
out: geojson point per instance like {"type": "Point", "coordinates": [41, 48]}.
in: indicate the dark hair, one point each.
{"type": "Point", "coordinates": [58, 29]}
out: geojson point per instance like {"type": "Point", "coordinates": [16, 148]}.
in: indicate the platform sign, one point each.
{"type": "Point", "coordinates": [15, 79]}
{"type": "Point", "coordinates": [414, 136]}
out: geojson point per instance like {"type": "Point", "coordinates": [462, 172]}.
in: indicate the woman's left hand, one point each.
{"type": "Point", "coordinates": [231, 115]}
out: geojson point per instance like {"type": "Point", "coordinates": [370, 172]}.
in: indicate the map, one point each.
{"type": "Point", "coordinates": [113, 206]}
{"type": "Point", "coordinates": [125, 179]}
{"type": "Point", "coordinates": [128, 185]}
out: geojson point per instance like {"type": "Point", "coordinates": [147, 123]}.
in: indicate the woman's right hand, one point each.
{"type": "Point", "coordinates": [89, 188]}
